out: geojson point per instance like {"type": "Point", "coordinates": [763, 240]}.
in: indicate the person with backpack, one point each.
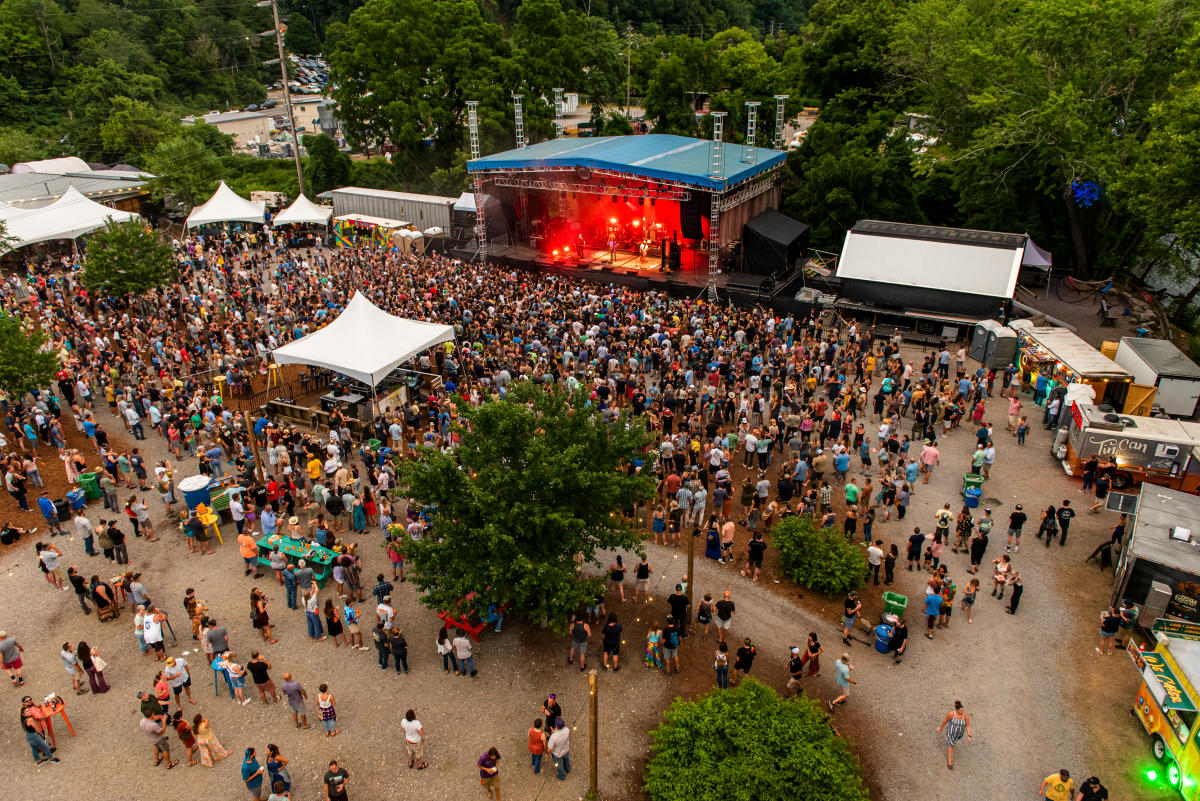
{"type": "Point", "coordinates": [671, 641]}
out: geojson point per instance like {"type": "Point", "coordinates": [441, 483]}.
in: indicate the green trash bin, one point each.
{"type": "Point", "coordinates": [894, 604]}
{"type": "Point", "coordinates": [972, 481]}
{"type": "Point", "coordinates": [373, 445]}
{"type": "Point", "coordinates": [90, 484]}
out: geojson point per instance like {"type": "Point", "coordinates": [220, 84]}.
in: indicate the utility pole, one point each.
{"type": "Point", "coordinates": [628, 62]}
{"type": "Point", "coordinates": [287, 95]}
{"type": "Point", "coordinates": [594, 715]}
{"type": "Point", "coordinates": [258, 468]}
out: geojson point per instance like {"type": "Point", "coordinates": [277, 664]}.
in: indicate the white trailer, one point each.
{"type": "Point", "coordinates": [1158, 363]}
{"type": "Point", "coordinates": [423, 211]}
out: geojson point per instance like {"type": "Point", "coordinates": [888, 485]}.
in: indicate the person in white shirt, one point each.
{"type": "Point", "coordinates": [414, 740]}
{"type": "Point", "coordinates": [237, 512]}
{"type": "Point", "coordinates": [462, 650]}
{"type": "Point", "coordinates": [875, 558]}
{"type": "Point", "coordinates": [384, 612]}
{"type": "Point", "coordinates": [560, 748]}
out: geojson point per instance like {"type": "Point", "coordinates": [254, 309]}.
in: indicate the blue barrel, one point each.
{"type": "Point", "coordinates": [195, 491]}
{"type": "Point", "coordinates": [77, 500]}
{"type": "Point", "coordinates": [883, 633]}
{"type": "Point", "coordinates": [971, 497]}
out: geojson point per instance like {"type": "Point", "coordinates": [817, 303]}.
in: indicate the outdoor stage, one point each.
{"type": "Point", "coordinates": [653, 208]}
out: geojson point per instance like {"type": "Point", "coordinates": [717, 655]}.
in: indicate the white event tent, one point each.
{"type": "Point", "coordinates": [364, 342]}
{"type": "Point", "coordinates": [304, 210]}
{"type": "Point", "coordinates": [71, 216]}
{"type": "Point", "coordinates": [227, 206]}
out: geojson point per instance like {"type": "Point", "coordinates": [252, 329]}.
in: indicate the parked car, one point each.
{"type": "Point", "coordinates": [251, 107]}
{"type": "Point", "coordinates": [270, 103]}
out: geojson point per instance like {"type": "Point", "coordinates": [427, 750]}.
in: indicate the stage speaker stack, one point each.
{"type": "Point", "coordinates": [690, 213]}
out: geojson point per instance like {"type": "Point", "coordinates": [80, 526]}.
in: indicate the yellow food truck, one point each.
{"type": "Point", "coordinates": [1167, 701]}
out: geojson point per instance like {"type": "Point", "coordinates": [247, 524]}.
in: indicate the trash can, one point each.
{"type": "Point", "coordinates": [971, 480]}
{"type": "Point", "coordinates": [77, 500]}
{"type": "Point", "coordinates": [894, 604]}
{"type": "Point", "coordinates": [90, 484]}
{"type": "Point", "coordinates": [63, 508]}
{"type": "Point", "coordinates": [883, 633]}
{"type": "Point", "coordinates": [195, 491]}
{"type": "Point", "coordinates": [373, 445]}
{"type": "Point", "coordinates": [971, 497]}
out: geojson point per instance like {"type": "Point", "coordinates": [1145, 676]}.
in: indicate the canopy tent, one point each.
{"type": "Point", "coordinates": [71, 216]}
{"type": "Point", "coordinates": [1035, 256]}
{"type": "Point", "coordinates": [302, 211]}
{"type": "Point", "coordinates": [227, 206]}
{"type": "Point", "coordinates": [465, 202]}
{"type": "Point", "coordinates": [771, 242]}
{"type": "Point", "coordinates": [364, 342]}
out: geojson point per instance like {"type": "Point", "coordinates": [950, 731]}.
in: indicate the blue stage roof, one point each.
{"type": "Point", "coordinates": [655, 156]}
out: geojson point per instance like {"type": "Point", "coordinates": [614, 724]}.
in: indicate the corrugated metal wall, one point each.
{"type": "Point", "coordinates": [421, 214]}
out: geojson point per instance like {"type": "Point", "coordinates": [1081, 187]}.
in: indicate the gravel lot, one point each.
{"type": "Point", "coordinates": [1028, 680]}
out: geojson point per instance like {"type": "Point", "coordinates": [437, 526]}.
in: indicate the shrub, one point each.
{"type": "Point", "coordinates": [746, 744]}
{"type": "Point", "coordinates": [821, 559]}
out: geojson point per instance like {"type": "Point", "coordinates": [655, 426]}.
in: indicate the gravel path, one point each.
{"type": "Point", "coordinates": [1007, 670]}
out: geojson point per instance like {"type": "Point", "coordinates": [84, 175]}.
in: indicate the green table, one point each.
{"type": "Point", "coordinates": [318, 558]}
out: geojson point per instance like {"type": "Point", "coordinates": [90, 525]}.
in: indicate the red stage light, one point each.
{"type": "Point", "coordinates": [566, 248]}
{"type": "Point", "coordinates": [658, 225]}
{"type": "Point", "coordinates": [556, 252]}
{"type": "Point", "coordinates": [613, 220]}
{"type": "Point", "coordinates": [637, 223]}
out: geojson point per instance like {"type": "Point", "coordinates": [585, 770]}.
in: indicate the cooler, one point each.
{"type": "Point", "coordinates": [77, 500]}
{"type": "Point", "coordinates": [894, 604]}
{"type": "Point", "coordinates": [90, 484]}
{"type": "Point", "coordinates": [195, 491]}
{"type": "Point", "coordinates": [883, 633]}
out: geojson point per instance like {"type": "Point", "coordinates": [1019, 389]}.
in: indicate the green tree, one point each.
{"type": "Point", "coordinates": [326, 167]}
{"type": "Point", "coordinates": [26, 359]}
{"type": "Point", "coordinates": [125, 259]}
{"type": "Point", "coordinates": [185, 171]}
{"type": "Point", "coordinates": [301, 37]}
{"type": "Point", "coordinates": [405, 69]}
{"type": "Point", "coordinates": [1051, 93]}
{"type": "Point", "coordinates": [538, 477]}
{"type": "Point", "coordinates": [849, 169]}
{"type": "Point", "coordinates": [777, 749]}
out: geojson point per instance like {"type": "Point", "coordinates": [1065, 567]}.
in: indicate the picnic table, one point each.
{"type": "Point", "coordinates": [470, 617]}
{"type": "Point", "coordinates": [319, 558]}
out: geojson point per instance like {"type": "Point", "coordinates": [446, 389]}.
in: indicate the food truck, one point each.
{"type": "Point", "coordinates": [1151, 450]}
{"type": "Point", "coordinates": [1060, 357]}
{"type": "Point", "coordinates": [1166, 704]}
{"type": "Point", "coordinates": [1159, 571]}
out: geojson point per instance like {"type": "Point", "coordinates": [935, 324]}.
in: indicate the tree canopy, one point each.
{"type": "Point", "coordinates": [26, 362]}
{"type": "Point", "coordinates": [538, 477]}
{"type": "Point", "coordinates": [747, 744]}
{"type": "Point", "coordinates": [126, 259]}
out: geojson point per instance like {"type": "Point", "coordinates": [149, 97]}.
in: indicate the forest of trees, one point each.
{"type": "Point", "coordinates": [1078, 122]}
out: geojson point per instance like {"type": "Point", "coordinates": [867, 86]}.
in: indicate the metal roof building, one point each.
{"type": "Point", "coordinates": [656, 157]}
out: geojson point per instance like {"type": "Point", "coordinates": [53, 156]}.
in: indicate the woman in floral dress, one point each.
{"type": "Point", "coordinates": [211, 750]}
{"type": "Point", "coordinates": [654, 647]}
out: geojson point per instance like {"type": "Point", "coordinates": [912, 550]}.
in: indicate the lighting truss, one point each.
{"type": "Point", "coordinates": [520, 182]}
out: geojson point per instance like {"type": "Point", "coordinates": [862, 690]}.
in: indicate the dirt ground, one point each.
{"type": "Point", "coordinates": [1028, 680]}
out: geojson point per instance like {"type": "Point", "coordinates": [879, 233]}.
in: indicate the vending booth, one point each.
{"type": "Point", "coordinates": [1061, 358]}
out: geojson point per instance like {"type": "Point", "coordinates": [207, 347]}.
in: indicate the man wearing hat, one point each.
{"type": "Point", "coordinates": [795, 671]}
{"type": "Point", "coordinates": [1016, 521]}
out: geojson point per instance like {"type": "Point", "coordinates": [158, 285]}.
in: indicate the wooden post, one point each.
{"type": "Point", "coordinates": [593, 715]}
{"type": "Point", "coordinates": [691, 577]}
{"type": "Point", "coordinates": [258, 466]}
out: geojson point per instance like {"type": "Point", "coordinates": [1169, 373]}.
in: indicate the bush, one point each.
{"type": "Point", "coordinates": [821, 559]}
{"type": "Point", "coordinates": [746, 744]}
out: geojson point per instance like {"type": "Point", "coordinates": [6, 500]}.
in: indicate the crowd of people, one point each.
{"type": "Point", "coordinates": [782, 415]}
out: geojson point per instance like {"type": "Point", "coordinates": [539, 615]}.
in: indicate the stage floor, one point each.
{"type": "Point", "coordinates": [602, 262]}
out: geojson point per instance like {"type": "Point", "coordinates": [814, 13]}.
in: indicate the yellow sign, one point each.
{"type": "Point", "coordinates": [1177, 697]}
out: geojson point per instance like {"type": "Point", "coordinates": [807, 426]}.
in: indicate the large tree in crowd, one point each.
{"type": "Point", "coordinates": [26, 362]}
{"type": "Point", "coordinates": [538, 477]}
{"type": "Point", "coordinates": [127, 259]}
